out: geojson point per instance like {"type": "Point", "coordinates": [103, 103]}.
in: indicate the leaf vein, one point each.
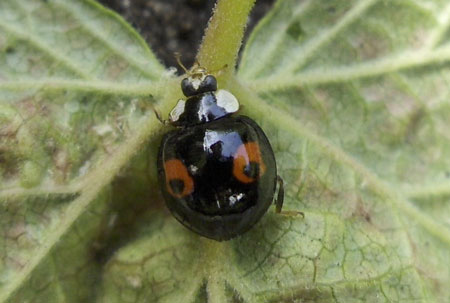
{"type": "Point", "coordinates": [300, 58]}
{"type": "Point", "coordinates": [99, 179]}
{"type": "Point", "coordinates": [50, 51]}
{"type": "Point", "coordinates": [15, 192]}
{"type": "Point", "coordinates": [273, 44]}
{"type": "Point", "coordinates": [438, 34]}
{"type": "Point", "coordinates": [405, 60]}
{"type": "Point", "coordinates": [102, 37]}
{"type": "Point", "coordinates": [101, 87]}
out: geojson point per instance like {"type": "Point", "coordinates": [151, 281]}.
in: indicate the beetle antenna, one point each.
{"type": "Point", "coordinates": [178, 58]}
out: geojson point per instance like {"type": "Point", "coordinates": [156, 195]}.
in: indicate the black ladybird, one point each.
{"type": "Point", "coordinates": [217, 170]}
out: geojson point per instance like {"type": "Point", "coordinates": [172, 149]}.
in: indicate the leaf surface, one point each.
{"type": "Point", "coordinates": [354, 98]}
{"type": "Point", "coordinates": [68, 124]}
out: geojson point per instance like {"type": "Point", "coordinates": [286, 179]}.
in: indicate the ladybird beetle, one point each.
{"type": "Point", "coordinates": [217, 170]}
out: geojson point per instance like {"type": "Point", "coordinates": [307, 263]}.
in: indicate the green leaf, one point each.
{"type": "Point", "coordinates": [354, 98]}
{"type": "Point", "coordinates": [70, 72]}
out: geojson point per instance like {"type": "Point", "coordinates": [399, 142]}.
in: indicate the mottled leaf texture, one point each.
{"type": "Point", "coordinates": [354, 96]}
{"type": "Point", "coordinates": [68, 123]}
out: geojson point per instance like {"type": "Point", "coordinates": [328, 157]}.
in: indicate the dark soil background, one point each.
{"type": "Point", "coordinates": [171, 26]}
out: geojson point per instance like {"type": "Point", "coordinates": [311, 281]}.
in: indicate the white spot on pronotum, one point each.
{"type": "Point", "coordinates": [227, 101]}
{"type": "Point", "coordinates": [177, 111]}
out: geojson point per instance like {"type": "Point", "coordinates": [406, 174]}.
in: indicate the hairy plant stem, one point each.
{"type": "Point", "coordinates": [223, 37]}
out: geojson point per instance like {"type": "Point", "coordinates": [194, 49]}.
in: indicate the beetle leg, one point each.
{"type": "Point", "coordinates": [280, 199]}
{"type": "Point", "coordinates": [159, 117]}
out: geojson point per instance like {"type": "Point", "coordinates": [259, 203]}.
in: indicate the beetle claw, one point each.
{"type": "Point", "coordinates": [280, 199]}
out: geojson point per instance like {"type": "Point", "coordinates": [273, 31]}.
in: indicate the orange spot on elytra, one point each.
{"type": "Point", "coordinates": [176, 171]}
{"type": "Point", "coordinates": [246, 153]}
